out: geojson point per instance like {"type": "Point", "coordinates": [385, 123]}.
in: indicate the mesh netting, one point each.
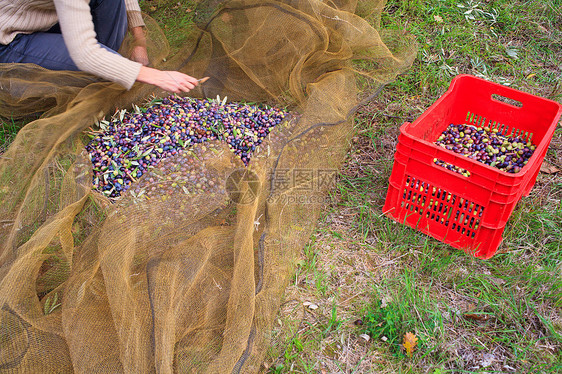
{"type": "Point", "coordinates": [187, 280]}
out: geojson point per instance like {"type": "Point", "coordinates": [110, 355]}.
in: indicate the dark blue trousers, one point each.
{"type": "Point", "coordinates": [47, 49]}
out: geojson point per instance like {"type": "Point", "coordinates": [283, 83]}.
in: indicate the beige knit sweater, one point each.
{"type": "Point", "coordinates": [28, 16]}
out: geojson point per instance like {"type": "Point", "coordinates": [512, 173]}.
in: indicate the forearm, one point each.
{"type": "Point", "coordinates": [138, 33]}
{"type": "Point", "coordinates": [139, 36]}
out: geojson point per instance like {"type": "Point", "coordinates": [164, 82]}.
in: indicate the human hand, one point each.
{"type": "Point", "coordinates": [172, 81]}
{"type": "Point", "coordinates": [139, 54]}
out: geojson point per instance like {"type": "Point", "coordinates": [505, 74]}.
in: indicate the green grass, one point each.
{"type": "Point", "coordinates": [8, 130]}
{"type": "Point", "coordinates": [175, 18]}
{"type": "Point", "coordinates": [499, 315]}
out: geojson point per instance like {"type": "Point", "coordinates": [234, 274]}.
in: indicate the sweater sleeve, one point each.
{"type": "Point", "coordinates": [134, 16]}
{"type": "Point", "coordinates": [79, 37]}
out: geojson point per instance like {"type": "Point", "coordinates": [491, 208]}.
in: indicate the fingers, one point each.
{"type": "Point", "coordinates": [172, 81]}
{"type": "Point", "coordinates": [144, 60]}
{"type": "Point", "coordinates": [189, 85]}
{"type": "Point", "coordinates": [186, 85]}
{"type": "Point", "coordinates": [140, 54]}
{"type": "Point", "coordinates": [179, 82]}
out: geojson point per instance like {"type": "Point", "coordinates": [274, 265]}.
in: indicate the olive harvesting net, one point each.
{"type": "Point", "coordinates": [183, 270]}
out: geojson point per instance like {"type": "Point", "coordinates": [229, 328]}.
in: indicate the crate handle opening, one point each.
{"type": "Point", "coordinates": [452, 168]}
{"type": "Point", "coordinates": [507, 100]}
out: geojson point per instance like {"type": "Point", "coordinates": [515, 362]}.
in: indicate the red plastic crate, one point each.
{"type": "Point", "coordinates": [469, 213]}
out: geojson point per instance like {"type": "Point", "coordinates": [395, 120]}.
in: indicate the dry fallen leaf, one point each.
{"type": "Point", "coordinates": [385, 301]}
{"type": "Point", "coordinates": [438, 19]}
{"type": "Point", "coordinates": [498, 281]}
{"type": "Point", "coordinates": [476, 317]}
{"type": "Point", "coordinates": [310, 305]}
{"type": "Point", "coordinates": [548, 168]}
{"type": "Point", "coordinates": [487, 360]}
{"type": "Point", "coordinates": [410, 342]}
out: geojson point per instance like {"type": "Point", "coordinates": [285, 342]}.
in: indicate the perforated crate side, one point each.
{"type": "Point", "coordinates": [441, 213]}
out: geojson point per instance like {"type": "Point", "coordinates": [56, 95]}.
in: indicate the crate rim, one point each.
{"type": "Point", "coordinates": [451, 88]}
{"type": "Point", "coordinates": [455, 80]}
